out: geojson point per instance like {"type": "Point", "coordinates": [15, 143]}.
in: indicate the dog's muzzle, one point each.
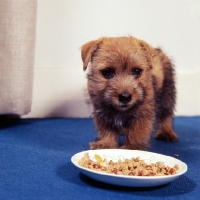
{"type": "Point", "coordinates": [124, 97]}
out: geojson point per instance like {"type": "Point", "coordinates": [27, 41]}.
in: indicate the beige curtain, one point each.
{"type": "Point", "coordinates": [17, 44]}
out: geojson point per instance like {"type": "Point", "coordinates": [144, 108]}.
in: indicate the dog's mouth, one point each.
{"type": "Point", "coordinates": [120, 103]}
{"type": "Point", "coordinates": [126, 106]}
{"type": "Point", "coordinates": [116, 106]}
{"type": "Point", "coordinates": [123, 107]}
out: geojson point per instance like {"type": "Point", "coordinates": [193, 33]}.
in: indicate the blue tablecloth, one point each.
{"type": "Point", "coordinates": [35, 161]}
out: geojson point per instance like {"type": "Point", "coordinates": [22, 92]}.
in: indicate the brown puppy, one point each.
{"type": "Point", "coordinates": [131, 86]}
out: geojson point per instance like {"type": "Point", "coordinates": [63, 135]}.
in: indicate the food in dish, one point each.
{"type": "Point", "coordinates": [130, 167]}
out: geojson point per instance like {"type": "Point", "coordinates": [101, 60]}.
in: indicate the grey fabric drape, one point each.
{"type": "Point", "coordinates": [17, 45]}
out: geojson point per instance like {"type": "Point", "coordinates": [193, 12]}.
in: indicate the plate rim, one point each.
{"type": "Point", "coordinates": [127, 176]}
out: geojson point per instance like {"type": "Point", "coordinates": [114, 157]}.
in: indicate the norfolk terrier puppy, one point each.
{"type": "Point", "coordinates": [132, 90]}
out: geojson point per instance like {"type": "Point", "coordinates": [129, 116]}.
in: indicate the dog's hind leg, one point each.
{"type": "Point", "coordinates": [165, 103]}
{"type": "Point", "coordinates": [165, 130]}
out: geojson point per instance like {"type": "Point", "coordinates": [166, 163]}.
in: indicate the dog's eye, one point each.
{"type": "Point", "coordinates": [136, 72]}
{"type": "Point", "coordinates": [108, 73]}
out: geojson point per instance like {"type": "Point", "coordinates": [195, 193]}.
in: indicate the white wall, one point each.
{"type": "Point", "coordinates": [64, 25]}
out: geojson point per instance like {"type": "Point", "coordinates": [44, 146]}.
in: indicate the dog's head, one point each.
{"type": "Point", "coordinates": [118, 71]}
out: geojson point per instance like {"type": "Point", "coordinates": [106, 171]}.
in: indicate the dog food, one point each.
{"type": "Point", "coordinates": [130, 167]}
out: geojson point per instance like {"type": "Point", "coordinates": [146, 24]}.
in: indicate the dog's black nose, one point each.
{"type": "Point", "coordinates": [124, 97]}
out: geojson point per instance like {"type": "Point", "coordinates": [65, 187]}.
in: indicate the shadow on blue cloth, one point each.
{"type": "Point", "coordinates": [182, 185]}
{"type": "Point", "coordinates": [51, 134]}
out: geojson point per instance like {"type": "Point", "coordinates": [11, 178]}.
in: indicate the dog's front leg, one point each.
{"type": "Point", "coordinates": [138, 135]}
{"type": "Point", "coordinates": [107, 139]}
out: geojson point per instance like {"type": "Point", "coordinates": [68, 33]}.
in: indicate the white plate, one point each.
{"type": "Point", "coordinates": [132, 181]}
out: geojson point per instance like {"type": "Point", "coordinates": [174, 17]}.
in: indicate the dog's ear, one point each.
{"type": "Point", "coordinates": [88, 50]}
{"type": "Point", "coordinates": [147, 50]}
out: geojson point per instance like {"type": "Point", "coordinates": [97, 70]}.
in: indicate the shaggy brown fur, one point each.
{"type": "Point", "coordinates": [131, 86]}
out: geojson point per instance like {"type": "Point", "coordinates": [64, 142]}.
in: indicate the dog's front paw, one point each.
{"type": "Point", "coordinates": [102, 145]}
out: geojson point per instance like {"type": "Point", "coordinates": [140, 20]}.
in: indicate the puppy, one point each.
{"type": "Point", "coordinates": [132, 89]}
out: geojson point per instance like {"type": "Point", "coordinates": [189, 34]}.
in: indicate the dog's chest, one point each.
{"type": "Point", "coordinates": [117, 120]}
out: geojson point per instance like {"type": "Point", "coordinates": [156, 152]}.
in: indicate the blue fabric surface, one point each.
{"type": "Point", "coordinates": [35, 162]}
